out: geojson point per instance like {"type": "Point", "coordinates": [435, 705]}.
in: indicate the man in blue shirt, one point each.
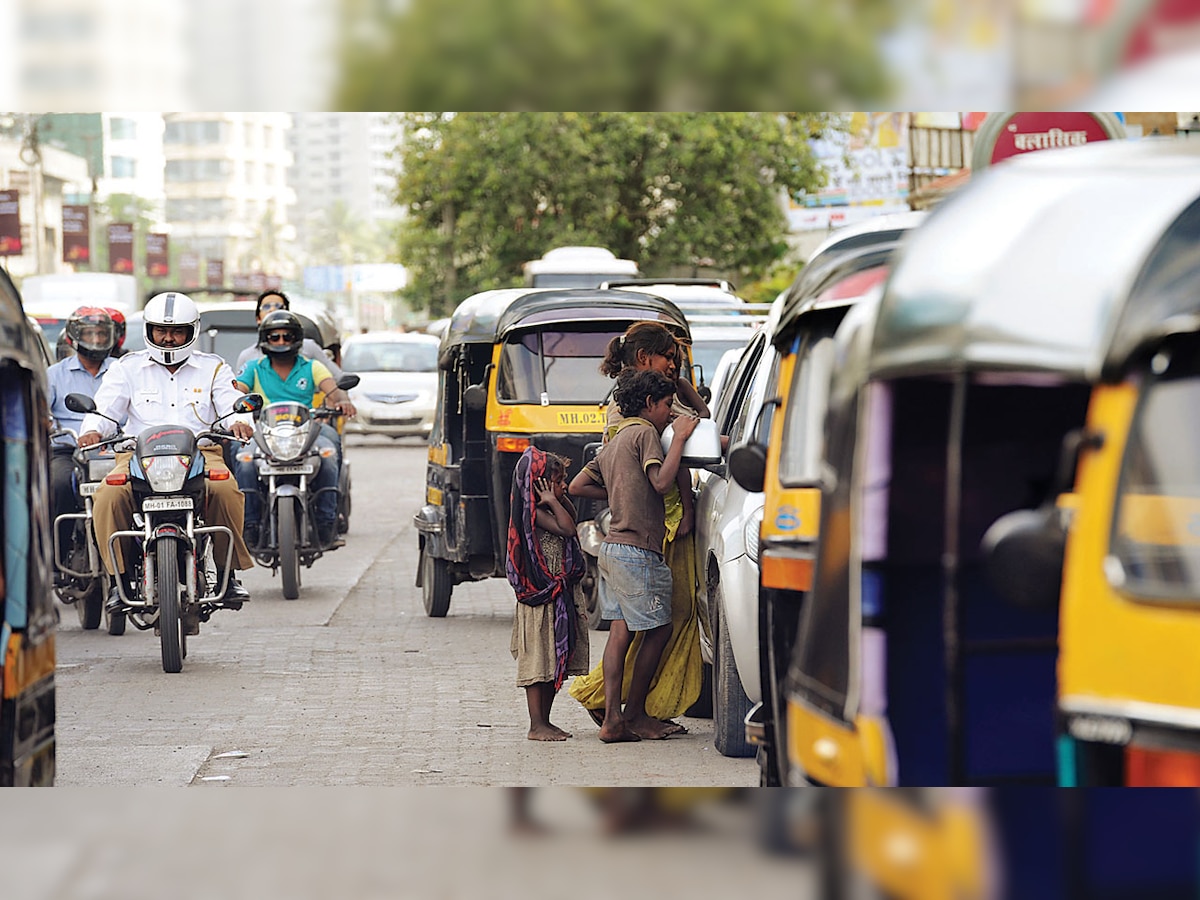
{"type": "Point", "coordinates": [90, 332]}
{"type": "Point", "coordinates": [283, 374]}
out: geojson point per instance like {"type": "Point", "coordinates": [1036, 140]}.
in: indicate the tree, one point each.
{"type": "Point", "coordinates": [614, 54]}
{"type": "Point", "coordinates": [125, 208]}
{"type": "Point", "coordinates": [485, 192]}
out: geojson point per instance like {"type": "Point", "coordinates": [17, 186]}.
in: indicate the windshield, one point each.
{"type": "Point", "coordinates": [1156, 532]}
{"type": "Point", "coordinates": [707, 354]}
{"type": "Point", "coordinates": [800, 452]}
{"type": "Point", "coordinates": [390, 356]}
{"type": "Point", "coordinates": [564, 364]}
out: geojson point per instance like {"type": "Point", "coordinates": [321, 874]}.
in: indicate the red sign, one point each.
{"type": "Point", "coordinates": [120, 247]}
{"type": "Point", "coordinates": [1025, 132]}
{"type": "Point", "coordinates": [10, 224]}
{"type": "Point", "coordinates": [158, 264]}
{"type": "Point", "coordinates": [214, 273]}
{"type": "Point", "coordinates": [76, 234]}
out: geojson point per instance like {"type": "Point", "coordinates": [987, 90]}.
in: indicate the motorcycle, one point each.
{"type": "Point", "coordinates": [83, 581]}
{"type": "Point", "coordinates": [175, 574]}
{"type": "Point", "coordinates": [287, 459]}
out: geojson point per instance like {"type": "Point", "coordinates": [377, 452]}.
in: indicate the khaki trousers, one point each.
{"type": "Point", "coordinates": [112, 510]}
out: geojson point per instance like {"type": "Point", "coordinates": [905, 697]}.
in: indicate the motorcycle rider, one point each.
{"type": "Point", "coordinates": [118, 318]}
{"type": "Point", "coordinates": [169, 383]}
{"type": "Point", "coordinates": [89, 330]}
{"type": "Point", "coordinates": [284, 374]}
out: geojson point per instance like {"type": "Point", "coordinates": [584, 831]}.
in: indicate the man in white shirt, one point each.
{"type": "Point", "coordinates": [169, 383]}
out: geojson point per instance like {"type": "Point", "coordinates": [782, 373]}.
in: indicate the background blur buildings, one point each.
{"type": "Point", "coordinates": [124, 151]}
{"type": "Point", "coordinates": [227, 194]}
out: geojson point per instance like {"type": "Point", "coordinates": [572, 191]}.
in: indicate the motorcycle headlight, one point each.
{"type": "Point", "coordinates": [166, 474]}
{"type": "Point", "coordinates": [286, 441]}
{"type": "Point", "coordinates": [753, 526]}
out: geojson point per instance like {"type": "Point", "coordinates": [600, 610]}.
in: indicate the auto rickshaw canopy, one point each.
{"type": "Point", "coordinates": [1059, 262]}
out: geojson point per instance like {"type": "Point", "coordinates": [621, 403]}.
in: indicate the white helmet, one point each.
{"type": "Point", "coordinates": [171, 308]}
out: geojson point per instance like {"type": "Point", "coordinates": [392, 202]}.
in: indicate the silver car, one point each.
{"type": "Point", "coordinates": [727, 524]}
{"type": "Point", "coordinates": [397, 393]}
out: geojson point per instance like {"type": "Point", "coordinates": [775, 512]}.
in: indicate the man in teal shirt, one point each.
{"type": "Point", "coordinates": [282, 374]}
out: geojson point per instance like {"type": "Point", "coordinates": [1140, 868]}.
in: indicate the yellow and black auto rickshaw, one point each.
{"type": "Point", "coordinates": [950, 406]}
{"type": "Point", "coordinates": [28, 620]}
{"type": "Point", "coordinates": [851, 264]}
{"type": "Point", "coordinates": [1128, 524]}
{"type": "Point", "coordinates": [517, 367]}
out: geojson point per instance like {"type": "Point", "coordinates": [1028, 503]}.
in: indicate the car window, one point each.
{"type": "Point", "coordinates": [708, 353]}
{"type": "Point", "coordinates": [800, 453]}
{"type": "Point", "coordinates": [737, 388]}
{"type": "Point", "coordinates": [389, 356]}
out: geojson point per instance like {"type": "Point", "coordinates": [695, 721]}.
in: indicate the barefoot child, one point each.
{"type": "Point", "coordinates": [635, 581]}
{"type": "Point", "coordinates": [545, 565]}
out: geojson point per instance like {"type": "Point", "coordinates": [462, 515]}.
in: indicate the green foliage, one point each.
{"type": "Point", "coordinates": [606, 54]}
{"type": "Point", "coordinates": [486, 192]}
{"type": "Point", "coordinates": [770, 286]}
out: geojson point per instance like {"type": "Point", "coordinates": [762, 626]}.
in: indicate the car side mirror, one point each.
{"type": "Point", "coordinates": [348, 381]}
{"type": "Point", "coordinates": [80, 403]}
{"type": "Point", "coordinates": [1023, 552]}
{"type": "Point", "coordinates": [705, 392]}
{"type": "Point", "coordinates": [251, 403]}
{"type": "Point", "coordinates": [475, 397]}
{"type": "Point", "coordinates": [748, 466]}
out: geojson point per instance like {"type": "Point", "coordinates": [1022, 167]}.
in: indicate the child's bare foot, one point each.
{"type": "Point", "coordinates": [562, 731]}
{"type": "Point", "coordinates": [649, 728]}
{"type": "Point", "coordinates": [674, 727]}
{"type": "Point", "coordinates": [546, 733]}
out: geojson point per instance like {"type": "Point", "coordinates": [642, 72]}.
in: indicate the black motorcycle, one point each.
{"type": "Point", "coordinates": [286, 456]}
{"type": "Point", "coordinates": [82, 581]}
{"type": "Point", "coordinates": [175, 574]}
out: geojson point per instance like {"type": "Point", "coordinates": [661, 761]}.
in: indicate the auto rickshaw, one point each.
{"type": "Point", "coordinates": [517, 367]}
{"type": "Point", "coordinates": [1121, 542]}
{"type": "Point", "coordinates": [1034, 843]}
{"type": "Point", "coordinates": [948, 410]}
{"type": "Point", "coordinates": [27, 618]}
{"type": "Point", "coordinates": [849, 265]}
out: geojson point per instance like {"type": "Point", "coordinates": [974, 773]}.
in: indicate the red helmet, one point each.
{"type": "Point", "coordinates": [90, 331]}
{"type": "Point", "coordinates": [118, 318]}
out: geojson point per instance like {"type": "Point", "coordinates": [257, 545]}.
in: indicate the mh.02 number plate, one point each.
{"type": "Point", "coordinates": [286, 470]}
{"type": "Point", "coordinates": [155, 504]}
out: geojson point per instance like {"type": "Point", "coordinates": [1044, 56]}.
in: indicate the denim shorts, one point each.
{"type": "Point", "coordinates": [635, 585]}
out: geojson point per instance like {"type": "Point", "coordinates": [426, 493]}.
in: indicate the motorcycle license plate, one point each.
{"type": "Point", "coordinates": [152, 504]}
{"type": "Point", "coordinates": [89, 488]}
{"type": "Point", "coordinates": [286, 470]}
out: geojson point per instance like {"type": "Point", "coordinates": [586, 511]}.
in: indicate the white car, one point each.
{"type": "Point", "coordinates": [727, 525]}
{"type": "Point", "coordinates": [397, 393]}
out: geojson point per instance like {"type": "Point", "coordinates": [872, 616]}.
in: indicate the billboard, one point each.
{"type": "Point", "coordinates": [189, 270]}
{"type": "Point", "coordinates": [214, 273]}
{"type": "Point", "coordinates": [158, 264]}
{"type": "Point", "coordinates": [76, 234]}
{"type": "Point", "coordinates": [120, 247]}
{"type": "Point", "coordinates": [10, 224]}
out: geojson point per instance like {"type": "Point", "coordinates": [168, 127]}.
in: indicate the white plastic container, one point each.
{"type": "Point", "coordinates": [703, 446]}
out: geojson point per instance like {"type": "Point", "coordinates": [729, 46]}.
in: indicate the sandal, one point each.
{"type": "Point", "coordinates": [597, 715]}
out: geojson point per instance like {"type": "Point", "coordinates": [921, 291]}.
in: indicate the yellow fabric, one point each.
{"type": "Point", "coordinates": [676, 684]}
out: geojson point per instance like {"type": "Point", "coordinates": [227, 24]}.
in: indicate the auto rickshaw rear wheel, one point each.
{"type": "Point", "coordinates": [436, 586]}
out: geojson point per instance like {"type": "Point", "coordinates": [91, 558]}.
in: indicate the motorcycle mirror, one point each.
{"type": "Point", "coordinates": [475, 397]}
{"type": "Point", "coordinates": [80, 403]}
{"type": "Point", "coordinates": [348, 381]}
{"type": "Point", "coordinates": [251, 403]}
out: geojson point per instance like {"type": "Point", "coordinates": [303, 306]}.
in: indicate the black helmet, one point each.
{"type": "Point", "coordinates": [279, 320]}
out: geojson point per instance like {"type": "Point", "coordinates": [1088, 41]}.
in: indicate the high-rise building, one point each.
{"type": "Point", "coordinates": [227, 196]}
{"type": "Point", "coordinates": [124, 151]}
{"type": "Point", "coordinates": [343, 168]}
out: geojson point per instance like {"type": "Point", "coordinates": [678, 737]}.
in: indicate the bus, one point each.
{"type": "Point", "coordinates": [577, 267]}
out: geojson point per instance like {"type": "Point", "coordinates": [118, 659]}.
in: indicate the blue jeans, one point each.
{"type": "Point", "coordinates": [326, 477]}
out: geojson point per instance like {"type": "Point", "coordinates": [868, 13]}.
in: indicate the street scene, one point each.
{"type": "Point", "coordinates": [700, 455]}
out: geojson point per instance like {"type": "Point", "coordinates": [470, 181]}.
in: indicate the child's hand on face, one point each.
{"type": "Point", "coordinates": [545, 492]}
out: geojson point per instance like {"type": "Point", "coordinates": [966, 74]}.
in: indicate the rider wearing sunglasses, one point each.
{"type": "Point", "coordinates": [284, 373]}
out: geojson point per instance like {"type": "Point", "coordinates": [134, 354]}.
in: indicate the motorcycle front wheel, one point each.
{"type": "Point", "coordinates": [289, 552]}
{"type": "Point", "coordinates": [166, 577]}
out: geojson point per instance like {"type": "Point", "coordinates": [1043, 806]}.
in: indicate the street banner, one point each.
{"type": "Point", "coordinates": [189, 270]}
{"type": "Point", "coordinates": [120, 247]}
{"type": "Point", "coordinates": [214, 273]}
{"type": "Point", "coordinates": [274, 283]}
{"type": "Point", "coordinates": [10, 224]}
{"type": "Point", "coordinates": [158, 263]}
{"type": "Point", "coordinates": [76, 234]}
{"type": "Point", "coordinates": [241, 281]}
{"type": "Point", "coordinates": [258, 282]}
